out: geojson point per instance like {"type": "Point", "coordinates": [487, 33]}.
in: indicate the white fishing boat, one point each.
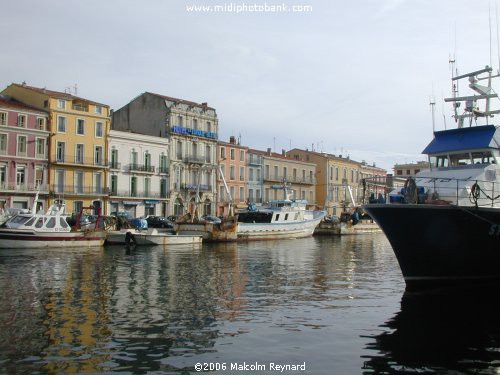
{"type": "Point", "coordinates": [47, 230]}
{"type": "Point", "coordinates": [281, 219]}
{"type": "Point", "coordinates": [151, 237]}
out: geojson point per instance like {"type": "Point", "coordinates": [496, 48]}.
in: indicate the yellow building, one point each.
{"type": "Point", "coordinates": [77, 146]}
{"type": "Point", "coordinates": [337, 179]}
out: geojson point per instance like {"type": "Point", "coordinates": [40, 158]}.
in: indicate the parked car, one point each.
{"type": "Point", "coordinates": [139, 223]}
{"type": "Point", "coordinates": [158, 222]}
{"type": "Point", "coordinates": [172, 218]}
{"type": "Point", "coordinates": [122, 214]}
{"type": "Point", "coordinates": [211, 219]}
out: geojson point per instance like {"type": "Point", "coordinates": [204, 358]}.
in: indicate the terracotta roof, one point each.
{"type": "Point", "coordinates": [169, 98]}
{"type": "Point", "coordinates": [57, 94]}
{"type": "Point", "coordinates": [8, 102]}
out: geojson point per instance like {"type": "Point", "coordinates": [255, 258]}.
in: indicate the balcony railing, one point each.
{"type": "Point", "coordinates": [138, 194]}
{"type": "Point", "coordinates": [291, 179]}
{"type": "Point", "coordinates": [114, 165]}
{"type": "Point", "coordinates": [24, 188]}
{"type": "Point", "coordinates": [78, 160]}
{"type": "Point", "coordinates": [141, 168]}
{"type": "Point", "coordinates": [255, 160]}
{"type": "Point", "coordinates": [193, 187]}
{"type": "Point", "coordinates": [79, 190]}
{"type": "Point", "coordinates": [79, 107]}
{"type": "Point", "coordinates": [195, 159]}
{"type": "Point", "coordinates": [163, 170]}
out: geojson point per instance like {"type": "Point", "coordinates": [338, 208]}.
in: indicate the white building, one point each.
{"type": "Point", "coordinates": [138, 173]}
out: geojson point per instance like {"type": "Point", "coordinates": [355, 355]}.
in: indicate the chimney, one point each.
{"type": "Point", "coordinates": [232, 140]}
{"type": "Point", "coordinates": [283, 152]}
{"type": "Point", "coordinates": [269, 151]}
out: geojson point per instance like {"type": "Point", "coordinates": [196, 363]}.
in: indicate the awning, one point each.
{"type": "Point", "coordinates": [151, 202]}
{"type": "Point", "coordinates": [464, 139]}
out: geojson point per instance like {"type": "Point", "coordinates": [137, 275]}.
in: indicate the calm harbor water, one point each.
{"type": "Point", "coordinates": [336, 305]}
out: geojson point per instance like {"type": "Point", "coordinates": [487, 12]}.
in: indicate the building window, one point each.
{"type": "Point", "coordinates": [3, 175]}
{"type": "Point", "coordinates": [242, 155]}
{"type": "Point", "coordinates": [61, 103]}
{"type": "Point", "coordinates": [40, 148]}
{"type": "Point", "coordinates": [61, 124]}
{"type": "Point", "coordinates": [80, 126]}
{"type": "Point", "coordinates": [163, 163]}
{"type": "Point", "coordinates": [3, 144]}
{"type": "Point", "coordinates": [78, 182]}
{"type": "Point", "coordinates": [77, 206]}
{"type": "Point", "coordinates": [163, 188]}
{"type": "Point", "coordinates": [59, 181]}
{"type": "Point", "coordinates": [250, 174]}
{"type": "Point", "coordinates": [147, 161]}
{"type": "Point", "coordinates": [60, 151]}
{"type": "Point", "coordinates": [208, 153]}
{"type": "Point", "coordinates": [114, 159]}
{"type": "Point", "coordinates": [98, 155]}
{"type": "Point", "coordinates": [98, 109]}
{"type": "Point", "coordinates": [195, 124]}
{"type": "Point", "coordinates": [147, 186]}
{"type": "Point", "coordinates": [99, 129]}
{"type": "Point", "coordinates": [179, 120]}
{"type": "Point", "coordinates": [80, 153]}
{"type": "Point", "coordinates": [40, 123]}
{"type": "Point", "coordinates": [232, 153]}
{"type": "Point", "coordinates": [179, 150]}
{"type": "Point", "coordinates": [209, 127]}
{"type": "Point", "coordinates": [231, 191]}
{"type": "Point", "coordinates": [222, 152]}
{"type": "Point", "coordinates": [21, 121]}
{"type": "Point", "coordinates": [3, 118]}
{"type": "Point", "coordinates": [231, 173]}
{"type": "Point", "coordinates": [276, 173]}
{"type": "Point", "coordinates": [98, 183]}
{"type": "Point", "coordinates": [38, 177]}
{"type": "Point", "coordinates": [114, 185]}
{"type": "Point", "coordinates": [21, 145]}
{"type": "Point", "coordinates": [20, 177]}
{"type": "Point", "coordinates": [242, 193]}
{"type": "Point", "coordinates": [242, 173]}
{"type": "Point", "coordinates": [133, 186]}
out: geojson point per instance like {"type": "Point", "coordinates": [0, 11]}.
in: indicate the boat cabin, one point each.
{"type": "Point", "coordinates": [43, 223]}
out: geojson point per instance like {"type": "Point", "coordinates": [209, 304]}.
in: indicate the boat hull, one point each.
{"type": "Point", "coordinates": [437, 245]}
{"type": "Point", "coordinates": [20, 239]}
{"type": "Point", "coordinates": [145, 239]}
{"type": "Point", "coordinates": [341, 229]}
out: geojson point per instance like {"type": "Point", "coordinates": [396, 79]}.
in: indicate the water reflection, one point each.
{"type": "Point", "coordinates": [439, 332]}
{"type": "Point", "coordinates": [152, 309]}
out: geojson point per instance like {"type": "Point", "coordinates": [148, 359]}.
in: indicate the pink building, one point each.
{"type": "Point", "coordinates": [23, 154]}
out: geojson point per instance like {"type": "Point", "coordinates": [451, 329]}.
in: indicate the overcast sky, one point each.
{"type": "Point", "coordinates": [351, 77]}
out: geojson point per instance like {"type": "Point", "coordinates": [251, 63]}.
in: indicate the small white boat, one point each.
{"type": "Point", "coordinates": [151, 237]}
{"type": "Point", "coordinates": [47, 230]}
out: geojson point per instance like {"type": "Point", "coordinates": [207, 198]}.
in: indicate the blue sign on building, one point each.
{"type": "Point", "coordinates": [197, 133]}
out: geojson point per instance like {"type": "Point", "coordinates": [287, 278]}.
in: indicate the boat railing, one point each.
{"type": "Point", "coordinates": [432, 190]}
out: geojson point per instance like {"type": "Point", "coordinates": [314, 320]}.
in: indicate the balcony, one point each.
{"type": "Point", "coordinates": [24, 188]}
{"type": "Point", "coordinates": [255, 160]}
{"type": "Point", "coordinates": [78, 190]}
{"type": "Point", "coordinates": [81, 161]}
{"type": "Point", "coordinates": [193, 187]}
{"type": "Point", "coordinates": [80, 107]}
{"type": "Point", "coordinates": [137, 194]}
{"type": "Point", "coordinates": [290, 179]}
{"type": "Point", "coordinates": [163, 170]}
{"type": "Point", "coordinates": [114, 165]}
{"type": "Point", "coordinates": [194, 159]}
{"type": "Point", "coordinates": [141, 168]}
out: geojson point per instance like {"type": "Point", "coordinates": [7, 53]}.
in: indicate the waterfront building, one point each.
{"type": "Point", "coordinates": [77, 145]}
{"type": "Point", "coordinates": [192, 131]}
{"type": "Point", "coordinates": [337, 179]}
{"type": "Point", "coordinates": [378, 181]}
{"type": "Point", "coordinates": [255, 181]}
{"type": "Point", "coordinates": [23, 155]}
{"type": "Point", "coordinates": [138, 174]}
{"type": "Point", "coordinates": [409, 169]}
{"type": "Point", "coordinates": [232, 160]}
{"type": "Point", "coordinates": [279, 168]}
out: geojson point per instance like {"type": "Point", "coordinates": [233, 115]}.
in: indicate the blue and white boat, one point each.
{"type": "Point", "coordinates": [444, 225]}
